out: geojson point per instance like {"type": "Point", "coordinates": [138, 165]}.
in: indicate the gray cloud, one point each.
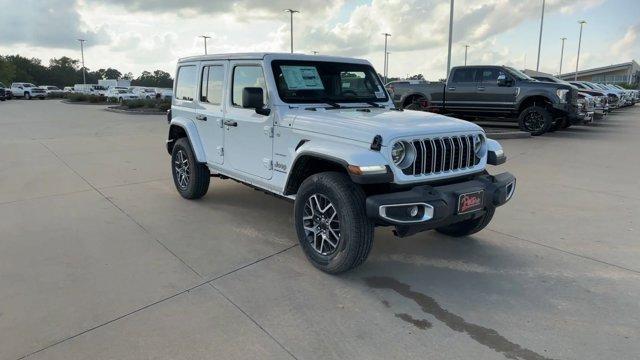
{"type": "Point", "coordinates": [51, 23]}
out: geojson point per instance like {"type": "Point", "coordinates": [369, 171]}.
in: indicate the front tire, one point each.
{"type": "Point", "coordinates": [27, 96]}
{"type": "Point", "coordinates": [190, 178]}
{"type": "Point", "coordinates": [331, 222]}
{"type": "Point", "coordinates": [535, 120]}
{"type": "Point", "coordinates": [468, 227]}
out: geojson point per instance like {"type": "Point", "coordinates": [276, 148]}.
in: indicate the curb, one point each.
{"type": "Point", "coordinates": [133, 112]}
{"type": "Point", "coordinates": [508, 135]}
{"type": "Point", "coordinates": [82, 103]}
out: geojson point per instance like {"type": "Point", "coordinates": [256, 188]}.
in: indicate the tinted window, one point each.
{"type": "Point", "coordinates": [186, 83]}
{"type": "Point", "coordinates": [490, 75]}
{"type": "Point", "coordinates": [211, 86]}
{"type": "Point", "coordinates": [247, 76]}
{"type": "Point", "coordinates": [464, 75]}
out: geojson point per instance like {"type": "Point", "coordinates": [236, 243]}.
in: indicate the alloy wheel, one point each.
{"type": "Point", "coordinates": [534, 121]}
{"type": "Point", "coordinates": [321, 224]}
{"type": "Point", "coordinates": [181, 167]}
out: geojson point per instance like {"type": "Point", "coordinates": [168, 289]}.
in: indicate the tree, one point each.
{"type": "Point", "coordinates": [7, 71]}
{"type": "Point", "coordinates": [416, 77]}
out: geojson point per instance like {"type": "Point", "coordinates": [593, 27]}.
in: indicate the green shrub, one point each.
{"type": "Point", "coordinates": [77, 97]}
{"type": "Point", "coordinates": [162, 105]}
{"type": "Point", "coordinates": [56, 95]}
{"type": "Point", "coordinates": [94, 99]}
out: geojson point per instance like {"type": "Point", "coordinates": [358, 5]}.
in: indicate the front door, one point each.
{"type": "Point", "coordinates": [493, 98]}
{"type": "Point", "coordinates": [210, 113]}
{"type": "Point", "coordinates": [248, 135]}
{"type": "Point", "coordinates": [461, 91]}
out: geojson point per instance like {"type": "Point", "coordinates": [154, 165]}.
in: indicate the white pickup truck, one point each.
{"type": "Point", "coordinates": [323, 132]}
{"type": "Point", "coordinates": [27, 91]}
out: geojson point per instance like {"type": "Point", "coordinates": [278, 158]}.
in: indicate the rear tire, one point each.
{"type": "Point", "coordinates": [535, 120]}
{"type": "Point", "coordinates": [190, 177]}
{"type": "Point", "coordinates": [468, 227]}
{"type": "Point", "coordinates": [331, 222]}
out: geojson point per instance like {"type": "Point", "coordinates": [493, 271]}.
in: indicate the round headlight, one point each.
{"type": "Point", "coordinates": [478, 144]}
{"type": "Point", "coordinates": [398, 152]}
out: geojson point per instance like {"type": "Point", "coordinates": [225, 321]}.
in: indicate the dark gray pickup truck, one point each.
{"type": "Point", "coordinates": [498, 93]}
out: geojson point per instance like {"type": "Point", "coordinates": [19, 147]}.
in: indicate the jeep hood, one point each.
{"type": "Point", "coordinates": [364, 125]}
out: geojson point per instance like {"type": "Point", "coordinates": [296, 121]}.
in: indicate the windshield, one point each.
{"type": "Point", "coordinates": [123, 91]}
{"type": "Point", "coordinates": [319, 81]}
{"type": "Point", "coordinates": [28, 85]}
{"type": "Point", "coordinates": [520, 75]}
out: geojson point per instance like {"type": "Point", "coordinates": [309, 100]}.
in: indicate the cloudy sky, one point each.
{"type": "Point", "coordinates": [136, 35]}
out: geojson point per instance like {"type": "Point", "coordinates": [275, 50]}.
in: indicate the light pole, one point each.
{"type": "Point", "coordinates": [561, 55]}
{"type": "Point", "coordinates": [465, 54]}
{"type": "Point", "coordinates": [291, 12]}
{"type": "Point", "coordinates": [384, 68]}
{"type": "Point", "coordinates": [386, 59]}
{"type": "Point", "coordinates": [575, 76]}
{"type": "Point", "coordinates": [450, 35]}
{"type": "Point", "coordinates": [84, 75]}
{"type": "Point", "coordinates": [540, 37]}
{"type": "Point", "coordinates": [205, 37]}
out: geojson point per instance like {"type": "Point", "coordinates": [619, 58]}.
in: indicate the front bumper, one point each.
{"type": "Point", "coordinates": [439, 204]}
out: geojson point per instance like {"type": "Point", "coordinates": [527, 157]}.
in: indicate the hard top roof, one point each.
{"type": "Point", "coordinates": [272, 56]}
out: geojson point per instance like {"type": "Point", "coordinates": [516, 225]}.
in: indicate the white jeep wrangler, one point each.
{"type": "Point", "coordinates": [322, 131]}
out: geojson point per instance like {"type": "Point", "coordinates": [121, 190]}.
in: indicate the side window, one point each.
{"type": "Point", "coordinates": [247, 76]}
{"type": "Point", "coordinates": [186, 83]}
{"type": "Point", "coordinates": [464, 75]}
{"type": "Point", "coordinates": [490, 75]}
{"type": "Point", "coordinates": [211, 84]}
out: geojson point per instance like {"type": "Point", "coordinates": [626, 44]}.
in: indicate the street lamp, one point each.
{"type": "Point", "coordinates": [205, 37]}
{"type": "Point", "coordinates": [84, 75]}
{"type": "Point", "coordinates": [466, 47]}
{"type": "Point", "coordinates": [450, 35]}
{"type": "Point", "coordinates": [575, 76]}
{"type": "Point", "coordinates": [384, 69]}
{"type": "Point", "coordinates": [291, 12]}
{"type": "Point", "coordinates": [386, 59]}
{"type": "Point", "coordinates": [561, 55]}
{"type": "Point", "coordinates": [540, 37]}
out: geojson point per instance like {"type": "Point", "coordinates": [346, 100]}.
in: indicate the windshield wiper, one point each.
{"type": "Point", "coordinates": [374, 104]}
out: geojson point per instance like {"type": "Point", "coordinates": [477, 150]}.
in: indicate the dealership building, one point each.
{"type": "Point", "coordinates": [625, 73]}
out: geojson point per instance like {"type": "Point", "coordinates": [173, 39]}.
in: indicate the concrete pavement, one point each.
{"type": "Point", "coordinates": [100, 258]}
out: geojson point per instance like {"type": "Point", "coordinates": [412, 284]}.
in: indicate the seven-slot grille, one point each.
{"type": "Point", "coordinates": [437, 155]}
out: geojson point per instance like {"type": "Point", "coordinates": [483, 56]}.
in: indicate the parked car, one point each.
{"type": "Point", "coordinates": [121, 94]}
{"type": "Point", "coordinates": [2, 94]}
{"type": "Point", "coordinates": [68, 89]}
{"type": "Point", "coordinates": [144, 92]}
{"type": "Point", "coordinates": [498, 93]}
{"type": "Point", "coordinates": [614, 99]}
{"type": "Point", "coordinates": [322, 131]}
{"type": "Point", "coordinates": [27, 91]}
{"type": "Point", "coordinates": [589, 103]}
{"type": "Point", "coordinates": [90, 89]}
{"type": "Point", "coordinates": [165, 94]}
{"type": "Point", "coordinates": [7, 91]}
{"type": "Point", "coordinates": [52, 90]}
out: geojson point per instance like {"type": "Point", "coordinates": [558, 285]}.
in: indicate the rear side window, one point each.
{"type": "Point", "coordinates": [186, 83]}
{"type": "Point", "coordinates": [211, 86]}
{"type": "Point", "coordinates": [247, 76]}
{"type": "Point", "coordinates": [464, 75]}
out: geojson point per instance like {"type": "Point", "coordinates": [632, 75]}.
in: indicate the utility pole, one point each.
{"type": "Point", "coordinates": [205, 37]}
{"type": "Point", "coordinates": [561, 55]}
{"type": "Point", "coordinates": [384, 68]}
{"type": "Point", "coordinates": [540, 37]}
{"type": "Point", "coordinates": [291, 12]}
{"type": "Point", "coordinates": [575, 76]}
{"type": "Point", "coordinates": [386, 58]}
{"type": "Point", "coordinates": [84, 75]}
{"type": "Point", "coordinates": [450, 36]}
{"type": "Point", "coordinates": [466, 47]}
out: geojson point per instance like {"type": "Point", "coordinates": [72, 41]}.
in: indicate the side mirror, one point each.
{"type": "Point", "coordinates": [252, 99]}
{"type": "Point", "coordinates": [502, 80]}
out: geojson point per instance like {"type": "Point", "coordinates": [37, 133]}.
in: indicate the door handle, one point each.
{"type": "Point", "coordinates": [480, 88]}
{"type": "Point", "coordinates": [230, 123]}
{"type": "Point", "coordinates": [201, 117]}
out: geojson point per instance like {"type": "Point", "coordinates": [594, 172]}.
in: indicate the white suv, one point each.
{"type": "Point", "coordinates": [322, 131]}
{"type": "Point", "coordinates": [28, 91]}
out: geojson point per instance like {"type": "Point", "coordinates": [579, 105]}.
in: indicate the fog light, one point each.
{"type": "Point", "coordinates": [413, 211]}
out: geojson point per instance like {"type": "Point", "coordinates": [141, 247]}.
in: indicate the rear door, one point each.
{"type": "Point", "coordinates": [248, 135]}
{"type": "Point", "coordinates": [491, 97]}
{"type": "Point", "coordinates": [460, 91]}
{"type": "Point", "coordinates": [210, 114]}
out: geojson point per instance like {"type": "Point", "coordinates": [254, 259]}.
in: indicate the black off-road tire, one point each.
{"type": "Point", "coordinates": [355, 229]}
{"type": "Point", "coordinates": [197, 184]}
{"type": "Point", "coordinates": [543, 122]}
{"type": "Point", "coordinates": [468, 227]}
